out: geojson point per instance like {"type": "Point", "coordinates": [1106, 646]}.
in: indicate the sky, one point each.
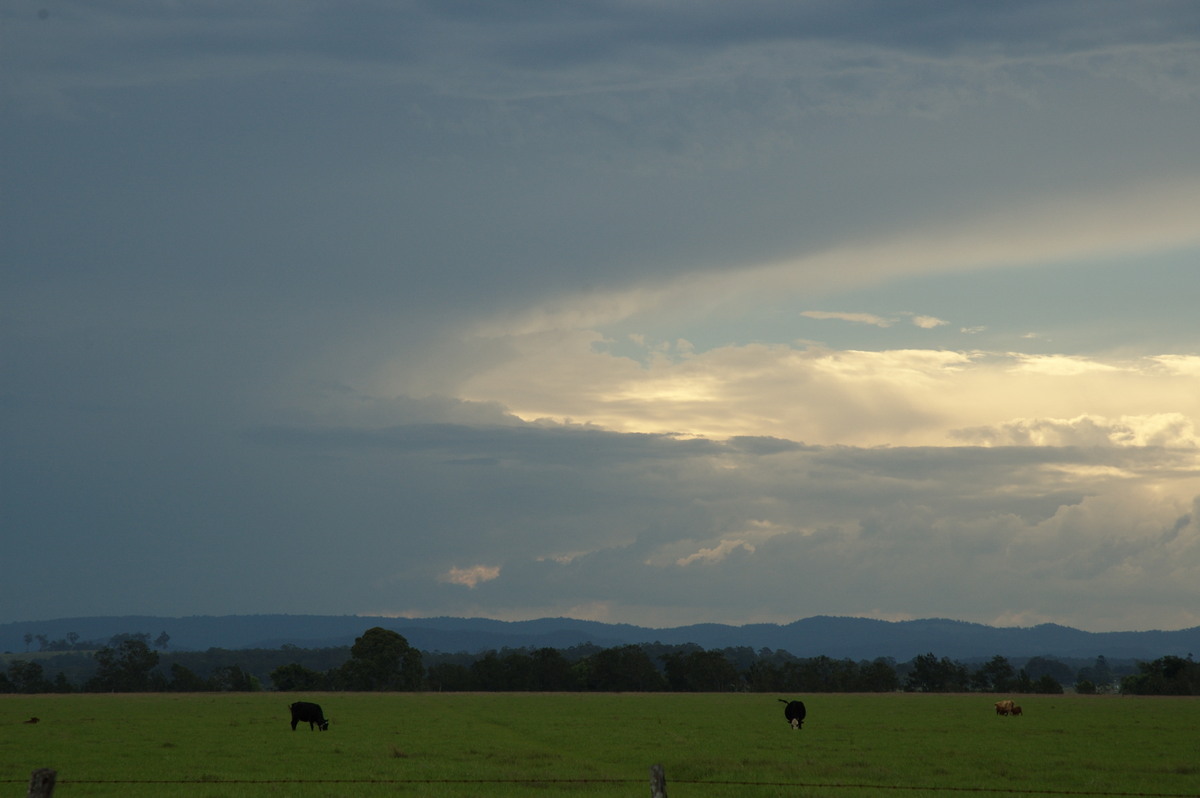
{"type": "Point", "coordinates": [651, 312]}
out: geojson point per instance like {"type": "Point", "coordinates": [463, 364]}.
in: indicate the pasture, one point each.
{"type": "Point", "coordinates": [241, 745]}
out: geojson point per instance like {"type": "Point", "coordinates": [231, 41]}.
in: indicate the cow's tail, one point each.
{"type": "Point", "coordinates": [784, 701]}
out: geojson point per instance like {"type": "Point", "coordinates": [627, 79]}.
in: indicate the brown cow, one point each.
{"type": "Point", "coordinates": [1004, 707]}
{"type": "Point", "coordinates": [1016, 710]}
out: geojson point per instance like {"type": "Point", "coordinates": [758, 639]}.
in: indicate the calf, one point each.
{"type": "Point", "coordinates": [794, 712]}
{"type": "Point", "coordinates": [306, 712]}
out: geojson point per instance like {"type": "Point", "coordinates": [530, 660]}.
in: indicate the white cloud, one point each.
{"type": "Point", "coordinates": [859, 318]}
{"type": "Point", "coordinates": [928, 322]}
{"type": "Point", "coordinates": [716, 553]}
{"type": "Point", "coordinates": [472, 576]}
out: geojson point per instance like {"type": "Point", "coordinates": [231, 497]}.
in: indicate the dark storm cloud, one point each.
{"type": "Point", "coordinates": [248, 248]}
{"type": "Point", "coordinates": [587, 33]}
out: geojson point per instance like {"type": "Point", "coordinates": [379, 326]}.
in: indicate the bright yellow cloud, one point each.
{"type": "Point", "coordinates": [816, 395]}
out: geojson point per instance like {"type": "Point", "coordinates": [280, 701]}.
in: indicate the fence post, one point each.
{"type": "Point", "coordinates": [41, 783]}
{"type": "Point", "coordinates": [658, 782]}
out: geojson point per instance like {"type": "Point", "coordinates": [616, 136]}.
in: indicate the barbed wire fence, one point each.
{"type": "Point", "coordinates": [43, 781]}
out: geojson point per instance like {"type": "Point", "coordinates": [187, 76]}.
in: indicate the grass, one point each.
{"type": "Point", "coordinates": [520, 744]}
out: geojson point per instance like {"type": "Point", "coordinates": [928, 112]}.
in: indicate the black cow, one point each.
{"type": "Point", "coordinates": [305, 712]}
{"type": "Point", "coordinates": [794, 712]}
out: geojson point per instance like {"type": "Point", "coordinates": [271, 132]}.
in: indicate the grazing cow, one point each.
{"type": "Point", "coordinates": [1004, 707]}
{"type": "Point", "coordinates": [1016, 710]}
{"type": "Point", "coordinates": [794, 712]}
{"type": "Point", "coordinates": [305, 712]}
{"type": "Point", "coordinates": [32, 720]}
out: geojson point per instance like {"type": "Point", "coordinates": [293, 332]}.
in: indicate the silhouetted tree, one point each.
{"type": "Point", "coordinates": [381, 660]}
{"type": "Point", "coordinates": [27, 677]}
{"type": "Point", "coordinates": [879, 676]}
{"type": "Point", "coordinates": [231, 678]}
{"type": "Point", "coordinates": [126, 668]}
{"type": "Point", "coordinates": [1170, 675]}
{"type": "Point", "coordinates": [184, 680]}
{"type": "Point", "coordinates": [451, 677]}
{"type": "Point", "coordinates": [552, 671]}
{"type": "Point", "coordinates": [931, 675]}
{"type": "Point", "coordinates": [297, 678]}
{"type": "Point", "coordinates": [994, 677]}
{"type": "Point", "coordinates": [1048, 685]}
{"type": "Point", "coordinates": [120, 638]}
{"type": "Point", "coordinates": [623, 668]}
{"type": "Point", "coordinates": [701, 671]}
{"type": "Point", "coordinates": [1037, 667]}
{"type": "Point", "coordinates": [1099, 674]}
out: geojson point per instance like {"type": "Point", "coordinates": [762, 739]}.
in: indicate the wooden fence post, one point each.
{"type": "Point", "coordinates": [658, 782]}
{"type": "Point", "coordinates": [41, 783]}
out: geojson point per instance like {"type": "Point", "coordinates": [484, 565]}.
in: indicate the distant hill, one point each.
{"type": "Point", "coordinates": [838, 637]}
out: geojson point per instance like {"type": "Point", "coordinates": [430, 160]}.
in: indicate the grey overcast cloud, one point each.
{"type": "Point", "coordinates": [654, 312]}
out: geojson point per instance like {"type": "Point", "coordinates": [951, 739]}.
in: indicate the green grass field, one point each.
{"type": "Point", "coordinates": [595, 744]}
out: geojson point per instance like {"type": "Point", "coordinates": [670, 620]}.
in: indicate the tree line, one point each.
{"type": "Point", "coordinates": [382, 659]}
{"type": "Point", "coordinates": [73, 642]}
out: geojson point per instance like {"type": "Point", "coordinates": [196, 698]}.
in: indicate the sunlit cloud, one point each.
{"type": "Point", "coordinates": [1061, 365]}
{"type": "Point", "coordinates": [1181, 365]}
{"type": "Point", "coordinates": [859, 318]}
{"type": "Point", "coordinates": [1161, 429]}
{"type": "Point", "coordinates": [716, 553]}
{"type": "Point", "coordinates": [472, 576]}
{"type": "Point", "coordinates": [821, 395]}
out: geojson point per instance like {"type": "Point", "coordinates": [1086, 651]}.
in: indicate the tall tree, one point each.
{"type": "Point", "coordinates": [701, 671]}
{"type": "Point", "coordinates": [622, 668]}
{"type": "Point", "coordinates": [184, 680]}
{"type": "Point", "coordinates": [931, 675]}
{"type": "Point", "coordinates": [126, 668]}
{"type": "Point", "coordinates": [27, 677]}
{"type": "Point", "coordinates": [995, 676]}
{"type": "Point", "coordinates": [382, 660]}
{"type": "Point", "coordinates": [295, 677]}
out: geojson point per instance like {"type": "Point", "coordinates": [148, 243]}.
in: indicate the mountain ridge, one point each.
{"type": "Point", "coordinates": [839, 637]}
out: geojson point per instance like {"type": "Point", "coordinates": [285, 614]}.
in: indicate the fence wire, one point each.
{"type": "Point", "coordinates": [627, 781]}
